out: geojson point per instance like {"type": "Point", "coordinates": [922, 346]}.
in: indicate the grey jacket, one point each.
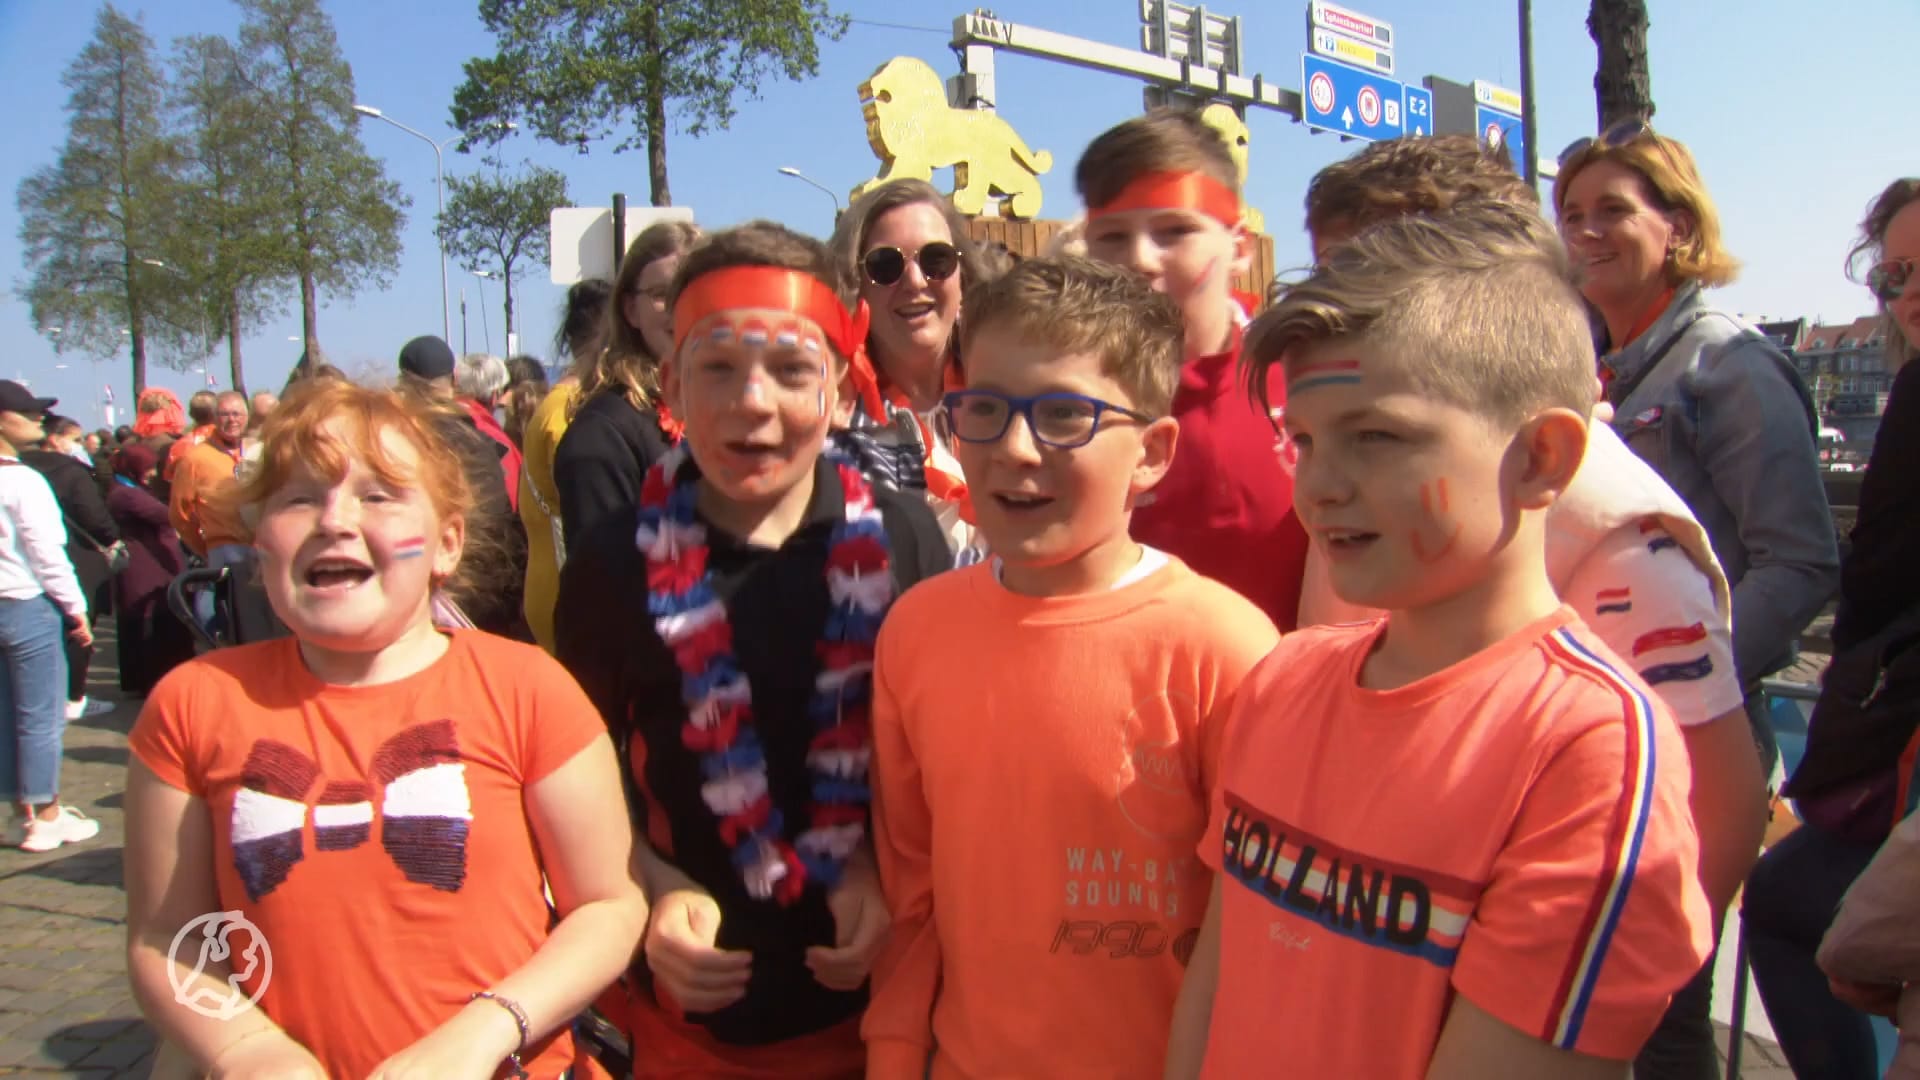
{"type": "Point", "coordinates": [1723, 417]}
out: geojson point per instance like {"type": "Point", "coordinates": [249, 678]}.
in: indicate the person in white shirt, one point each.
{"type": "Point", "coordinates": [40, 601]}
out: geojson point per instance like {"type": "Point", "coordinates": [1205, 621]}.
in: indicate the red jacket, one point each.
{"type": "Point", "coordinates": [509, 453]}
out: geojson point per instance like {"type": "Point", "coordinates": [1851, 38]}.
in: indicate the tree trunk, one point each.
{"type": "Point", "coordinates": [1623, 90]}
{"type": "Point", "coordinates": [506, 286]}
{"type": "Point", "coordinates": [233, 343]}
{"type": "Point", "coordinates": [656, 113]}
{"type": "Point", "coordinates": [308, 319]}
{"type": "Point", "coordinates": [137, 338]}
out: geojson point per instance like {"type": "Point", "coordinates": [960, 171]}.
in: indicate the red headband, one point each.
{"type": "Point", "coordinates": [1175, 191]}
{"type": "Point", "coordinates": [775, 289]}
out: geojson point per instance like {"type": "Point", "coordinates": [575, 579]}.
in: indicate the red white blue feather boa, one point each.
{"type": "Point", "coordinates": [693, 622]}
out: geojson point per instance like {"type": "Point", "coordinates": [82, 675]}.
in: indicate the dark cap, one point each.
{"type": "Point", "coordinates": [18, 399]}
{"type": "Point", "coordinates": [427, 357]}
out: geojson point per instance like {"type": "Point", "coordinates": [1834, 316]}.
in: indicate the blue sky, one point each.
{"type": "Point", "coordinates": [1795, 116]}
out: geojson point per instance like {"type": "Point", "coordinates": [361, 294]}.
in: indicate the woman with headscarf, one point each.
{"type": "Point", "coordinates": [152, 641]}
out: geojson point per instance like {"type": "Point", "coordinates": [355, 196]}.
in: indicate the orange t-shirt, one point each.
{"type": "Point", "coordinates": [1056, 754]}
{"type": "Point", "coordinates": [1513, 828]}
{"type": "Point", "coordinates": [377, 836]}
{"type": "Point", "coordinates": [201, 513]}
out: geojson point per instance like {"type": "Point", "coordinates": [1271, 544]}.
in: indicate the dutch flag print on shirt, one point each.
{"type": "Point", "coordinates": [419, 784]}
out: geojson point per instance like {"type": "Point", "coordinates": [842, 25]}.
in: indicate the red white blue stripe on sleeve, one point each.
{"type": "Point", "coordinates": [1573, 992]}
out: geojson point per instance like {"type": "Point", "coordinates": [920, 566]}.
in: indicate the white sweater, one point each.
{"type": "Point", "coordinates": [33, 541]}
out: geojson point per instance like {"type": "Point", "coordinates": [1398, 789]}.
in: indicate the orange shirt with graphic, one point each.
{"type": "Point", "coordinates": [1513, 829]}
{"type": "Point", "coordinates": [377, 836]}
{"type": "Point", "coordinates": [1041, 771]}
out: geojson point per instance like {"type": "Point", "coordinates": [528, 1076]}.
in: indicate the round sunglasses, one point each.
{"type": "Point", "coordinates": [886, 265]}
{"type": "Point", "coordinates": [1618, 134]}
{"type": "Point", "coordinates": [1888, 281]}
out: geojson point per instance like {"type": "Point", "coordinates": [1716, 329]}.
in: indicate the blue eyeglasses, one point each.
{"type": "Point", "coordinates": [1061, 420]}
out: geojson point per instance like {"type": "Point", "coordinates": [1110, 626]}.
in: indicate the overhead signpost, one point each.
{"type": "Point", "coordinates": [978, 36]}
{"type": "Point", "coordinates": [1189, 33]}
{"type": "Point", "coordinates": [1419, 110]}
{"type": "Point", "coordinates": [1350, 101]}
{"type": "Point", "coordinates": [1346, 76]}
{"type": "Point", "coordinates": [1496, 120]}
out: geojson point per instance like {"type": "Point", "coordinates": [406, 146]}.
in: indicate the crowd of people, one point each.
{"type": "Point", "coordinates": [890, 657]}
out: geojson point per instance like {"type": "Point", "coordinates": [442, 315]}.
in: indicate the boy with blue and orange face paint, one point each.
{"type": "Point", "coordinates": [1470, 815]}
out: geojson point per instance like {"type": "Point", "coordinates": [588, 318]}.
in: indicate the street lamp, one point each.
{"type": "Point", "coordinates": [440, 197]}
{"type": "Point", "coordinates": [486, 335]}
{"type": "Point", "coordinates": [788, 170]}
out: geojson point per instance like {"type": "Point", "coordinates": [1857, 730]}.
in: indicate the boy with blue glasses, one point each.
{"type": "Point", "coordinates": [1048, 721]}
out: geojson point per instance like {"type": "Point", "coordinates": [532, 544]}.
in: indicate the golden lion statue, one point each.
{"type": "Point", "coordinates": [1221, 118]}
{"type": "Point", "coordinates": [913, 131]}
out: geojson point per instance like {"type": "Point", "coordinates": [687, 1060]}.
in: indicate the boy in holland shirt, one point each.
{"type": "Point", "coordinates": [1456, 841]}
{"type": "Point", "coordinates": [1048, 722]}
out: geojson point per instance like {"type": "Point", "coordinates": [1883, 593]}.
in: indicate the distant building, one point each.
{"type": "Point", "coordinates": [1845, 366]}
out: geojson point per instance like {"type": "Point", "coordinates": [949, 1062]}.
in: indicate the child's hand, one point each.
{"type": "Point", "coordinates": [681, 932]}
{"type": "Point", "coordinates": [860, 922]}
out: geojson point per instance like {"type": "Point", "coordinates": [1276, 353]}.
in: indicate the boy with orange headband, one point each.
{"type": "Point", "coordinates": [725, 631]}
{"type": "Point", "coordinates": [1163, 200]}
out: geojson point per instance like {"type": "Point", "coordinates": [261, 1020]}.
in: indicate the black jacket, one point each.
{"type": "Point", "coordinates": [1880, 578]}
{"type": "Point", "coordinates": [90, 528]}
{"type": "Point", "coordinates": [597, 469]}
{"type": "Point", "coordinates": [496, 554]}
{"type": "Point", "coordinates": [777, 603]}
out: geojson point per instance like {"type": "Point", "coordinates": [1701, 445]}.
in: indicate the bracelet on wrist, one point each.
{"type": "Point", "coordinates": [519, 1020]}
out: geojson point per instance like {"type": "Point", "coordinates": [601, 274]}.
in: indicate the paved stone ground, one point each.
{"type": "Point", "coordinates": [65, 1009]}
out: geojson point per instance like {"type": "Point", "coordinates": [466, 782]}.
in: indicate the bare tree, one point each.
{"type": "Point", "coordinates": [1622, 88]}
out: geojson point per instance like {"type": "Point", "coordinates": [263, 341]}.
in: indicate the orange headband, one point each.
{"type": "Point", "coordinates": [1175, 191]}
{"type": "Point", "coordinates": [773, 288]}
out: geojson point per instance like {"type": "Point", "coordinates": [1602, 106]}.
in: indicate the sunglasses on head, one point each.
{"type": "Point", "coordinates": [1620, 133]}
{"type": "Point", "coordinates": [886, 265]}
{"type": "Point", "coordinates": [1888, 281]}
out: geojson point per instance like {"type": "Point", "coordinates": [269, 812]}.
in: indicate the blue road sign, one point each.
{"type": "Point", "coordinates": [1347, 100]}
{"type": "Point", "coordinates": [1419, 110]}
{"type": "Point", "coordinates": [1490, 124]}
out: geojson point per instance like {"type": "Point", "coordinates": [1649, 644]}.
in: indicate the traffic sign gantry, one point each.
{"type": "Point", "coordinates": [1347, 100]}
{"type": "Point", "coordinates": [1419, 108]}
{"type": "Point", "coordinates": [1351, 23]}
{"type": "Point", "coordinates": [1496, 121]}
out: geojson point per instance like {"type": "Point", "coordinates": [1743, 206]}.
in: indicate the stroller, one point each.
{"type": "Point", "coordinates": [241, 612]}
{"type": "Point", "coordinates": [242, 616]}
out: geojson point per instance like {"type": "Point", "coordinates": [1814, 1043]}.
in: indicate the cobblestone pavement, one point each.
{"type": "Point", "coordinates": [65, 1009]}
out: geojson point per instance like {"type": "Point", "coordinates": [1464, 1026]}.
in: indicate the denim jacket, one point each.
{"type": "Point", "coordinates": [1725, 419]}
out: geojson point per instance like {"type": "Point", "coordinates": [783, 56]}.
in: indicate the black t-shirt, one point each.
{"type": "Point", "coordinates": [777, 604]}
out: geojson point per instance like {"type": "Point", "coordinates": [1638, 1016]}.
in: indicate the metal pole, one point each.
{"type": "Point", "coordinates": [440, 240]}
{"type": "Point", "coordinates": [1529, 168]}
{"type": "Point", "coordinates": [463, 320]}
{"type": "Point", "coordinates": [480, 283]}
{"type": "Point", "coordinates": [619, 232]}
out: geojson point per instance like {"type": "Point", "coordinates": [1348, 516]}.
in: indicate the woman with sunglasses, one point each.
{"type": "Point", "coordinates": [617, 430]}
{"type": "Point", "coordinates": [1794, 891]}
{"type": "Point", "coordinates": [1720, 414]}
{"type": "Point", "coordinates": [908, 248]}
